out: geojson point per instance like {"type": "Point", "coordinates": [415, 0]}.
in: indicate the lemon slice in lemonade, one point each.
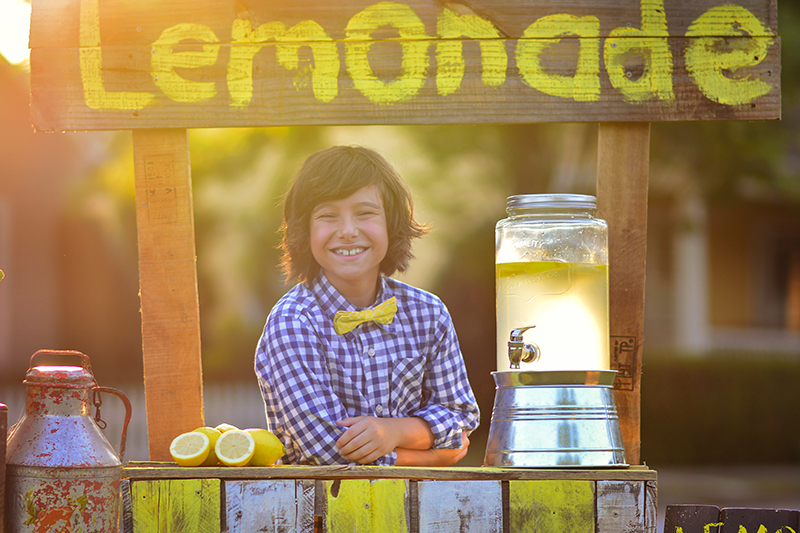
{"type": "Point", "coordinates": [235, 447]}
{"type": "Point", "coordinates": [190, 449]}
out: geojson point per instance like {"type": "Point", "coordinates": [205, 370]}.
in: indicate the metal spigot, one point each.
{"type": "Point", "coordinates": [519, 350]}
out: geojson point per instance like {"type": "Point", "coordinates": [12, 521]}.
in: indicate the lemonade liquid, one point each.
{"type": "Point", "coordinates": [568, 304]}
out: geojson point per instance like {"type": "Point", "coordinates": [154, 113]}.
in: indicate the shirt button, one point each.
{"type": "Point", "coordinates": [371, 352]}
{"type": "Point", "coordinates": [379, 409]}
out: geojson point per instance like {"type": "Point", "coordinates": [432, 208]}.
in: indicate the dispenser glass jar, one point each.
{"type": "Point", "coordinates": [552, 273]}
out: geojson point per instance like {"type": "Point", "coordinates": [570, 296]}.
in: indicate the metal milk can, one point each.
{"type": "Point", "coordinates": [61, 472]}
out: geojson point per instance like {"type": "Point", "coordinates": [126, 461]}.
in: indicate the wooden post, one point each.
{"type": "Point", "coordinates": [173, 377]}
{"type": "Point", "coordinates": [622, 177]}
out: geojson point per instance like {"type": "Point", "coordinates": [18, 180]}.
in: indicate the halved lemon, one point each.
{"type": "Point", "coordinates": [212, 434]}
{"type": "Point", "coordinates": [225, 427]}
{"type": "Point", "coordinates": [269, 448]}
{"type": "Point", "coordinates": [190, 449]}
{"type": "Point", "coordinates": [235, 447]}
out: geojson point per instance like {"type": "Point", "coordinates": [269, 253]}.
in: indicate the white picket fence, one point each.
{"type": "Point", "coordinates": [239, 404]}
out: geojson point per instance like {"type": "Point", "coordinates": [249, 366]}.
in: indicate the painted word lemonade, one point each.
{"type": "Point", "coordinates": [709, 59]}
{"type": "Point", "coordinates": [568, 304]}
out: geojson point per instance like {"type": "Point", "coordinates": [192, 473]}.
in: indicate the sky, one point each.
{"type": "Point", "coordinates": [15, 18]}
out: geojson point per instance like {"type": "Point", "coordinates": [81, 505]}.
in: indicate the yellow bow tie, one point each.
{"type": "Point", "coordinates": [383, 313]}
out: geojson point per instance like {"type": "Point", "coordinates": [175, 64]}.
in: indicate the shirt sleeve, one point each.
{"type": "Point", "coordinates": [300, 406]}
{"type": "Point", "coordinates": [448, 404]}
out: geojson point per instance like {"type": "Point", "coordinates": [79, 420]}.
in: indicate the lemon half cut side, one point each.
{"type": "Point", "coordinates": [190, 449]}
{"type": "Point", "coordinates": [235, 447]}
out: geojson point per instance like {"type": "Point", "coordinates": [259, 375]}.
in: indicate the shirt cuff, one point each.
{"type": "Point", "coordinates": [444, 425]}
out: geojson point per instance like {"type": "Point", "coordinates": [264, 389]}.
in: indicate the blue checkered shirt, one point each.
{"type": "Point", "coordinates": [310, 377]}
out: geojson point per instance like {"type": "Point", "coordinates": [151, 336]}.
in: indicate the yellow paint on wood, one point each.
{"type": "Point", "coordinates": [552, 505]}
{"type": "Point", "coordinates": [176, 506]}
{"type": "Point", "coordinates": [713, 62]}
{"type": "Point", "coordinates": [366, 505]}
{"type": "Point", "coordinates": [91, 65]}
{"type": "Point", "coordinates": [639, 60]}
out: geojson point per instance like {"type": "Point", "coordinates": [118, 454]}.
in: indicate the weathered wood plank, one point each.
{"type": "Point", "coordinates": [129, 65]}
{"type": "Point", "coordinates": [142, 22]}
{"type": "Point", "coordinates": [446, 506]}
{"type": "Point", "coordinates": [173, 376]}
{"type": "Point", "coordinates": [552, 505]}
{"type": "Point", "coordinates": [691, 518]}
{"type": "Point", "coordinates": [621, 507]}
{"type": "Point", "coordinates": [622, 181]}
{"type": "Point", "coordinates": [406, 83]}
{"type": "Point", "coordinates": [366, 505]}
{"type": "Point", "coordinates": [176, 506]}
{"type": "Point", "coordinates": [280, 506]}
{"type": "Point", "coordinates": [651, 506]}
{"type": "Point", "coordinates": [745, 520]}
{"type": "Point", "coordinates": [154, 470]}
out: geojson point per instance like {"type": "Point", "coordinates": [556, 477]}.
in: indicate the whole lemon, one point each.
{"type": "Point", "coordinates": [269, 448]}
{"type": "Point", "coordinates": [212, 434]}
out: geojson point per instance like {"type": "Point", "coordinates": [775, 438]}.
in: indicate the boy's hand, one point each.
{"type": "Point", "coordinates": [367, 438]}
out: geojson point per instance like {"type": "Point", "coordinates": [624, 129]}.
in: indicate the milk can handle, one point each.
{"type": "Point", "coordinates": [73, 354]}
{"type": "Point", "coordinates": [98, 402]}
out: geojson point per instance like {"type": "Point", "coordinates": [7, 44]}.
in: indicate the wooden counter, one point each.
{"type": "Point", "coordinates": [165, 498]}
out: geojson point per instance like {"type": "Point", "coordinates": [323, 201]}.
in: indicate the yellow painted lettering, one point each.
{"type": "Point", "coordinates": [91, 63]}
{"type": "Point", "coordinates": [638, 60]}
{"type": "Point", "coordinates": [547, 31]}
{"type": "Point", "coordinates": [708, 59]}
{"type": "Point", "coordinates": [449, 53]}
{"type": "Point", "coordinates": [707, 527]}
{"type": "Point", "coordinates": [414, 63]}
{"type": "Point", "coordinates": [165, 60]}
{"type": "Point", "coordinates": [324, 72]}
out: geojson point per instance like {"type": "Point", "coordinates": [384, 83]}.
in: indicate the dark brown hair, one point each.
{"type": "Point", "coordinates": [333, 174]}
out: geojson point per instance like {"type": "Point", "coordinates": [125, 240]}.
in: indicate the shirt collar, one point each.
{"type": "Point", "coordinates": [330, 300]}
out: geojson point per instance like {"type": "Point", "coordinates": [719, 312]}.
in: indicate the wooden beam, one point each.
{"type": "Point", "coordinates": [622, 179]}
{"type": "Point", "coordinates": [173, 377]}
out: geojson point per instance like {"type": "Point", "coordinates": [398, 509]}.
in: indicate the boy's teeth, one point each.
{"type": "Point", "coordinates": [354, 251]}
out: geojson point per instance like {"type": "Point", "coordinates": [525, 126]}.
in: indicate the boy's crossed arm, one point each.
{"type": "Point", "coordinates": [367, 438]}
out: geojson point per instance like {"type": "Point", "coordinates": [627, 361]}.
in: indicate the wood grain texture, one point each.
{"type": "Point", "coordinates": [173, 377]}
{"type": "Point", "coordinates": [121, 65]}
{"type": "Point", "coordinates": [552, 505]}
{"type": "Point", "coordinates": [269, 505]}
{"type": "Point", "coordinates": [622, 182]}
{"type": "Point", "coordinates": [176, 506]}
{"type": "Point", "coordinates": [153, 470]}
{"type": "Point", "coordinates": [744, 520]}
{"type": "Point", "coordinates": [690, 518]}
{"type": "Point", "coordinates": [141, 22]}
{"type": "Point", "coordinates": [446, 506]}
{"type": "Point", "coordinates": [621, 507]}
{"type": "Point", "coordinates": [366, 505]}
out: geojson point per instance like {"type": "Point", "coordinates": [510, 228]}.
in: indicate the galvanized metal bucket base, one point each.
{"type": "Point", "coordinates": [555, 419]}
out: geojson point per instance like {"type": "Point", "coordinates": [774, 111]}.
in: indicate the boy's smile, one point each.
{"type": "Point", "coordinates": [349, 239]}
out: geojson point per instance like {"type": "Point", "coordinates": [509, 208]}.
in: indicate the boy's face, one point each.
{"type": "Point", "coordinates": [349, 238]}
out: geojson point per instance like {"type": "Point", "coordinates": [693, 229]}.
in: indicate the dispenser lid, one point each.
{"type": "Point", "coordinates": [551, 201]}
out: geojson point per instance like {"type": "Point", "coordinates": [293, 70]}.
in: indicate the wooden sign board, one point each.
{"type": "Point", "coordinates": [710, 519]}
{"type": "Point", "coordinates": [117, 64]}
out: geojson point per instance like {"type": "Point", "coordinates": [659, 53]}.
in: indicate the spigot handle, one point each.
{"type": "Point", "coordinates": [518, 350]}
{"type": "Point", "coordinates": [516, 334]}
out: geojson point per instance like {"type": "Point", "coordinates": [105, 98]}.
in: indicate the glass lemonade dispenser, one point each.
{"type": "Point", "coordinates": [554, 403]}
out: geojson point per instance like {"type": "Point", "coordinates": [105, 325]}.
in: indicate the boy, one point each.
{"type": "Point", "coordinates": [391, 389]}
